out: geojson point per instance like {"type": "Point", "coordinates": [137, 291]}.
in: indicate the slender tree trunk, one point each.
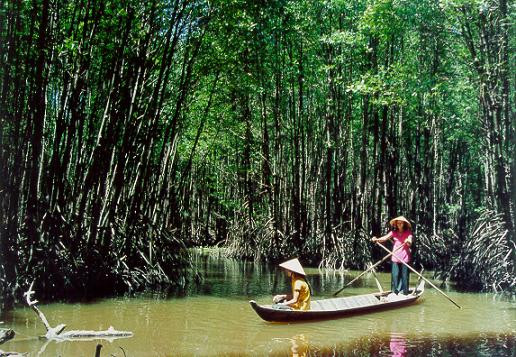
{"type": "Point", "coordinates": [36, 124]}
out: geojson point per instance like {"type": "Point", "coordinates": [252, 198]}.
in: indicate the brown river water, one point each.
{"type": "Point", "coordinates": [214, 318]}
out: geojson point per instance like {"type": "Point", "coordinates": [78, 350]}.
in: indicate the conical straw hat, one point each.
{"type": "Point", "coordinates": [293, 265]}
{"type": "Point", "coordinates": [392, 222]}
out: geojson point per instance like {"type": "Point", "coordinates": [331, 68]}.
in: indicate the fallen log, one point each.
{"type": "Point", "coordinates": [56, 333]}
{"type": "Point", "coordinates": [85, 335]}
{"type": "Point", "coordinates": [11, 354]}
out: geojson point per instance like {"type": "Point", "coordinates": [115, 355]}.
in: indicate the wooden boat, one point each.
{"type": "Point", "coordinates": [340, 307]}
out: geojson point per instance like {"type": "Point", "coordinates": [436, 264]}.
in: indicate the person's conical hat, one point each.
{"type": "Point", "coordinates": [392, 222]}
{"type": "Point", "coordinates": [293, 265]}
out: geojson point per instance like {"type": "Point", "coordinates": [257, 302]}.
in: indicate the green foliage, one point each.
{"type": "Point", "coordinates": [276, 128]}
{"type": "Point", "coordinates": [382, 19]}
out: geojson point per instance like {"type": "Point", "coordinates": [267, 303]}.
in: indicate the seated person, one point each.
{"type": "Point", "coordinates": [300, 297]}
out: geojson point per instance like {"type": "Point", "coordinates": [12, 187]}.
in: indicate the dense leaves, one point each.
{"type": "Point", "coordinates": [131, 130]}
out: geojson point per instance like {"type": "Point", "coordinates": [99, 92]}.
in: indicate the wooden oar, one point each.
{"type": "Point", "coordinates": [421, 276]}
{"type": "Point", "coordinates": [380, 287]}
{"type": "Point", "coordinates": [368, 269]}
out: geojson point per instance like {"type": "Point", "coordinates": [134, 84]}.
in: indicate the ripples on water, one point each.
{"type": "Point", "coordinates": [215, 319]}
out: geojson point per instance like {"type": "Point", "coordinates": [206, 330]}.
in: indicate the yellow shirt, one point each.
{"type": "Point", "coordinates": [303, 301]}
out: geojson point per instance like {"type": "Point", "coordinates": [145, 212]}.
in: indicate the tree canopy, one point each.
{"type": "Point", "coordinates": [133, 130]}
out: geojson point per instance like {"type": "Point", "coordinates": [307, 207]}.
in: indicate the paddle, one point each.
{"type": "Point", "coordinates": [370, 268]}
{"type": "Point", "coordinates": [421, 276]}
{"type": "Point", "coordinates": [377, 281]}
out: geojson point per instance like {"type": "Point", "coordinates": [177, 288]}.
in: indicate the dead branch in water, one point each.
{"type": "Point", "coordinates": [11, 354]}
{"type": "Point", "coordinates": [56, 333]}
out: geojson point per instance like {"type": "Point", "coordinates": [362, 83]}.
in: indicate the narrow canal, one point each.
{"type": "Point", "coordinates": [214, 318]}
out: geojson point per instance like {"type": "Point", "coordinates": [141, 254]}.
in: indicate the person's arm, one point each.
{"type": "Point", "coordinates": [383, 238]}
{"type": "Point", "coordinates": [408, 241]}
{"type": "Point", "coordinates": [277, 298]}
{"type": "Point", "coordinates": [293, 300]}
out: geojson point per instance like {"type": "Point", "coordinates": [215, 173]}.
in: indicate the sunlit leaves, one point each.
{"type": "Point", "coordinates": [384, 86]}
{"type": "Point", "coordinates": [382, 18]}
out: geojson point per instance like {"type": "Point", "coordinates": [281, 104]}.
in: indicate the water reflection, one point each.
{"type": "Point", "coordinates": [407, 345]}
{"type": "Point", "coordinates": [299, 346]}
{"type": "Point", "coordinates": [234, 279]}
{"type": "Point", "coordinates": [43, 348]}
{"type": "Point", "coordinates": [398, 345]}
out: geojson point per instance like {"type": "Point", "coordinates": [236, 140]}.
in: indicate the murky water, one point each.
{"type": "Point", "coordinates": [215, 319]}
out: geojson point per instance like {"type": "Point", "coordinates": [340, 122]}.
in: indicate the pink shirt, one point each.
{"type": "Point", "coordinates": [404, 253]}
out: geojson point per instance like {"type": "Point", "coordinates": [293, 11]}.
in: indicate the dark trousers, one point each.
{"type": "Point", "coordinates": [399, 278]}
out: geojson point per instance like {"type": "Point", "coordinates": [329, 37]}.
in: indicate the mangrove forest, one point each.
{"type": "Point", "coordinates": [132, 131]}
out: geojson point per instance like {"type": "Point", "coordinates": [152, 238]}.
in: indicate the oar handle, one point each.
{"type": "Point", "coordinates": [421, 276]}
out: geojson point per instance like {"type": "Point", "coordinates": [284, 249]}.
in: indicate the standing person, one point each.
{"type": "Point", "coordinates": [402, 238]}
{"type": "Point", "coordinates": [299, 299]}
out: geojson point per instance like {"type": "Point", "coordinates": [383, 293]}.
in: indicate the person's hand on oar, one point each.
{"type": "Point", "coordinates": [408, 243]}
{"type": "Point", "coordinates": [387, 237]}
{"type": "Point", "coordinates": [368, 269]}
{"type": "Point", "coordinates": [376, 239]}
